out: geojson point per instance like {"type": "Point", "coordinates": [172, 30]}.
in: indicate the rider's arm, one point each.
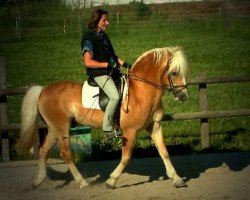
{"type": "Point", "coordinates": [87, 53]}
{"type": "Point", "coordinates": [90, 62]}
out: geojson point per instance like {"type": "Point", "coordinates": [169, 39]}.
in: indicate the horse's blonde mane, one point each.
{"type": "Point", "coordinates": [177, 62]}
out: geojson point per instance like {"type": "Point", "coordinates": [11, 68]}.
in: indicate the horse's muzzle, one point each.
{"type": "Point", "coordinates": [181, 95]}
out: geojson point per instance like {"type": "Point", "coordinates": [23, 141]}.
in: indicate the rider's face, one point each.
{"type": "Point", "coordinates": [103, 23]}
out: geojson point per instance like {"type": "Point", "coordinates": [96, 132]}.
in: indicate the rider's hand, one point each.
{"type": "Point", "coordinates": [112, 65]}
{"type": "Point", "coordinates": [127, 65]}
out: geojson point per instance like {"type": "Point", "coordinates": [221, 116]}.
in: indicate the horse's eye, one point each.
{"type": "Point", "coordinates": [174, 74]}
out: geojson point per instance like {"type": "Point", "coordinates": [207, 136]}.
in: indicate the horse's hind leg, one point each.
{"type": "Point", "coordinates": [157, 138]}
{"type": "Point", "coordinates": [49, 142]}
{"type": "Point", "coordinates": [65, 153]}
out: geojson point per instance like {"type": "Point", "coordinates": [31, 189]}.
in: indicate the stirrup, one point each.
{"type": "Point", "coordinates": [112, 134]}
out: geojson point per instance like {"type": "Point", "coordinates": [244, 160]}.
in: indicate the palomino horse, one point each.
{"type": "Point", "coordinates": [59, 103]}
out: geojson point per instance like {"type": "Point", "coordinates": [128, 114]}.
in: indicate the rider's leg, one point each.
{"type": "Point", "coordinates": [107, 84]}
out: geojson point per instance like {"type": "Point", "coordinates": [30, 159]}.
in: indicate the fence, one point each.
{"type": "Point", "coordinates": [125, 18]}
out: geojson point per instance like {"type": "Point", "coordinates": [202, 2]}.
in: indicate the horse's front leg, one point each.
{"type": "Point", "coordinates": [127, 147]}
{"type": "Point", "coordinates": [157, 138]}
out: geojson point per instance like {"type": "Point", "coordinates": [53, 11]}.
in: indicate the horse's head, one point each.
{"type": "Point", "coordinates": [163, 68]}
{"type": "Point", "coordinates": [176, 71]}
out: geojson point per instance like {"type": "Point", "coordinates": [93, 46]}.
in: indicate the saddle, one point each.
{"type": "Point", "coordinates": [104, 99]}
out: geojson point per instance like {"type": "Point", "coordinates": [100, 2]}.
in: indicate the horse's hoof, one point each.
{"type": "Point", "coordinates": [179, 183]}
{"type": "Point", "coordinates": [84, 184]}
{"type": "Point", "coordinates": [37, 182]}
{"type": "Point", "coordinates": [35, 185]}
{"type": "Point", "coordinates": [109, 186]}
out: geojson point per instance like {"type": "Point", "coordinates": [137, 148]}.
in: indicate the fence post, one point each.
{"type": "Point", "coordinates": [18, 27]}
{"type": "Point", "coordinates": [203, 101]}
{"type": "Point", "coordinates": [220, 13]}
{"type": "Point", "coordinates": [64, 26]}
{"type": "Point", "coordinates": [118, 18]}
{"type": "Point", "coordinates": [3, 110]}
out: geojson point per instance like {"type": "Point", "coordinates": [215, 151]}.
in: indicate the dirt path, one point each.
{"type": "Point", "coordinates": [209, 176]}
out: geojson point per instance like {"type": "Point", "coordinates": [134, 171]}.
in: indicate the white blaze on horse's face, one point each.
{"type": "Point", "coordinates": [177, 86]}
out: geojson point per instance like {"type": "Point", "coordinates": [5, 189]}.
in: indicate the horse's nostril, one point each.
{"type": "Point", "coordinates": [183, 97]}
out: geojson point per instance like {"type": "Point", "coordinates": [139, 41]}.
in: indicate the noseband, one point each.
{"type": "Point", "coordinates": [174, 89]}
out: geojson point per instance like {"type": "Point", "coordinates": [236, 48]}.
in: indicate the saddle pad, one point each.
{"type": "Point", "coordinates": [90, 95]}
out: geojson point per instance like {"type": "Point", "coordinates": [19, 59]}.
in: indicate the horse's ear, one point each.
{"type": "Point", "coordinates": [178, 48]}
{"type": "Point", "coordinates": [181, 48]}
{"type": "Point", "coordinates": [170, 58]}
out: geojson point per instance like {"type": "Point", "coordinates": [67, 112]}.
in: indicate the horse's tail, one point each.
{"type": "Point", "coordinates": [29, 120]}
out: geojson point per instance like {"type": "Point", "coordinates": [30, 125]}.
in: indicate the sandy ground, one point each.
{"type": "Point", "coordinates": [223, 176]}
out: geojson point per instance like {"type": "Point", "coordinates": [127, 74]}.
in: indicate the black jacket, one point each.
{"type": "Point", "coordinates": [103, 51]}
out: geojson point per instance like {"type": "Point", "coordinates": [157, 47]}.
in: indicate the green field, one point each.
{"type": "Point", "coordinates": [48, 50]}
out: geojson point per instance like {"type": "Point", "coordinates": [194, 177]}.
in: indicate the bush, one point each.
{"type": "Point", "coordinates": [141, 9]}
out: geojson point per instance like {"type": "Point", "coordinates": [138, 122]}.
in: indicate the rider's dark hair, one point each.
{"type": "Point", "coordinates": [95, 18]}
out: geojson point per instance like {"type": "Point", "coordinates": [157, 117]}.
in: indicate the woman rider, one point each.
{"type": "Point", "coordinates": [102, 65]}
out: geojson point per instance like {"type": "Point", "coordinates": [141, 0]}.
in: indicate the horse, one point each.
{"type": "Point", "coordinates": [57, 104]}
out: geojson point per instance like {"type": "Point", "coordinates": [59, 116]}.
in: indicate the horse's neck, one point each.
{"type": "Point", "coordinates": [147, 83]}
{"type": "Point", "coordinates": [147, 72]}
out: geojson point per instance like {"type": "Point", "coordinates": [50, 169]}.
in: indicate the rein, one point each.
{"type": "Point", "coordinates": [172, 88]}
{"type": "Point", "coordinates": [138, 78]}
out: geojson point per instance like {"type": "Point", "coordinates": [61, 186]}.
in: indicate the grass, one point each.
{"type": "Point", "coordinates": [45, 54]}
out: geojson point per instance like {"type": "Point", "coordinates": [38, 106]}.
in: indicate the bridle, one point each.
{"type": "Point", "coordinates": [174, 89]}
